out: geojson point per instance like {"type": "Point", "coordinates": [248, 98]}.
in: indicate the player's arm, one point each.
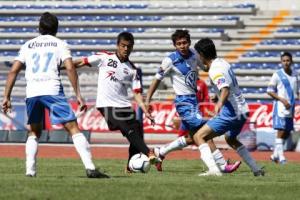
{"type": "Point", "coordinates": [78, 63]}
{"type": "Point", "coordinates": [275, 96]}
{"type": "Point", "coordinates": [10, 82]}
{"type": "Point", "coordinates": [89, 61]}
{"type": "Point", "coordinates": [224, 94]}
{"type": "Point", "coordinates": [73, 77]}
{"type": "Point", "coordinates": [154, 85]}
{"type": "Point", "coordinates": [162, 71]}
{"type": "Point", "coordinates": [272, 91]}
{"type": "Point", "coordinates": [137, 93]}
{"type": "Point", "coordinates": [139, 99]}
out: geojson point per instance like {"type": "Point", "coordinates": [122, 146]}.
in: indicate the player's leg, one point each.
{"type": "Point", "coordinates": [225, 166]}
{"type": "Point", "coordinates": [278, 152]}
{"type": "Point", "coordinates": [179, 143]}
{"type": "Point", "coordinates": [236, 126]}
{"type": "Point", "coordinates": [132, 150]}
{"type": "Point", "coordinates": [200, 137]}
{"type": "Point", "coordinates": [61, 113]}
{"type": "Point", "coordinates": [191, 120]}
{"type": "Point", "coordinates": [35, 113]}
{"type": "Point", "coordinates": [31, 149]}
{"type": "Point", "coordinates": [124, 119]}
{"type": "Point", "coordinates": [82, 146]}
{"type": "Point", "coordinates": [245, 155]}
{"type": "Point", "coordinates": [283, 126]}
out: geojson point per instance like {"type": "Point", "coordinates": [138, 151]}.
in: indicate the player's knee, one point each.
{"type": "Point", "coordinates": [71, 127]}
{"type": "Point", "coordinates": [189, 140]}
{"type": "Point", "coordinates": [232, 142]}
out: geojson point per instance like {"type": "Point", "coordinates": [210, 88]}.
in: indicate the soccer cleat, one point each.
{"type": "Point", "coordinates": [95, 173]}
{"type": "Point", "coordinates": [274, 159]}
{"type": "Point", "coordinates": [128, 170]}
{"type": "Point", "coordinates": [159, 160]}
{"type": "Point", "coordinates": [30, 175]}
{"type": "Point", "coordinates": [282, 162]}
{"type": "Point", "coordinates": [211, 173]}
{"type": "Point", "coordinates": [229, 168]}
{"type": "Point", "coordinates": [260, 172]}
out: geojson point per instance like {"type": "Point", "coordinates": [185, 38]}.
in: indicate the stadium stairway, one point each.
{"type": "Point", "coordinates": [239, 31]}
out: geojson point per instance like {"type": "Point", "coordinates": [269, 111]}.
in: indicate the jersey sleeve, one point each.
{"type": "Point", "coordinates": [136, 82]}
{"type": "Point", "coordinates": [164, 69]}
{"type": "Point", "coordinates": [272, 85]}
{"type": "Point", "coordinates": [21, 55]}
{"type": "Point", "coordinates": [65, 51]}
{"type": "Point", "coordinates": [93, 60]}
{"type": "Point", "coordinates": [218, 78]}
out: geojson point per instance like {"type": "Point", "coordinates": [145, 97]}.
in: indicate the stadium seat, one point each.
{"type": "Point", "coordinates": [3, 135]}
{"type": "Point", "coordinates": [58, 136]}
{"type": "Point", "coordinates": [17, 136]}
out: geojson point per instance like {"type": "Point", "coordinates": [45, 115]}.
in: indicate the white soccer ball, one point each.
{"type": "Point", "coordinates": [139, 163]}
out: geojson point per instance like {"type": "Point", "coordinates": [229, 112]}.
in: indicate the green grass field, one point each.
{"type": "Point", "coordinates": [65, 179]}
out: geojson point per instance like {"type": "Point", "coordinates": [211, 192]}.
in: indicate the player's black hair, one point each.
{"type": "Point", "coordinates": [48, 24]}
{"type": "Point", "coordinates": [125, 36]}
{"type": "Point", "coordinates": [287, 54]}
{"type": "Point", "coordinates": [207, 47]}
{"type": "Point", "coordinates": [178, 34]}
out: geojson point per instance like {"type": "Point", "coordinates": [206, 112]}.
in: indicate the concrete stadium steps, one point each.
{"type": "Point", "coordinates": [145, 35]}
{"type": "Point", "coordinates": [195, 10]}
{"type": "Point", "coordinates": [177, 24]}
{"type": "Point", "coordinates": [153, 42]}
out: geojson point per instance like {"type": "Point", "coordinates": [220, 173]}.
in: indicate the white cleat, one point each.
{"type": "Point", "coordinates": [211, 173]}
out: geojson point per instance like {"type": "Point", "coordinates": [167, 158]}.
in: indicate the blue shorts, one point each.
{"type": "Point", "coordinates": [225, 125]}
{"type": "Point", "coordinates": [283, 123]}
{"type": "Point", "coordinates": [187, 108]}
{"type": "Point", "coordinates": [58, 106]}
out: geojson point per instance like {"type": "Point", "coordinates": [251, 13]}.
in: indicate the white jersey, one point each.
{"type": "Point", "coordinates": [114, 79]}
{"type": "Point", "coordinates": [286, 86]}
{"type": "Point", "coordinates": [183, 72]}
{"type": "Point", "coordinates": [221, 75]}
{"type": "Point", "coordinates": [42, 57]}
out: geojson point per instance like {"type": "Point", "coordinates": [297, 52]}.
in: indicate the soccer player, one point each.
{"type": "Point", "coordinates": [182, 65]}
{"type": "Point", "coordinates": [283, 88]}
{"type": "Point", "coordinates": [42, 57]}
{"type": "Point", "coordinates": [116, 74]}
{"type": "Point", "coordinates": [231, 110]}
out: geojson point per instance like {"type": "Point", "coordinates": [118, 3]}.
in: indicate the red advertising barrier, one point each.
{"type": "Point", "coordinates": [165, 112]}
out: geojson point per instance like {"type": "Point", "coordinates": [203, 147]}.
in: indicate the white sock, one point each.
{"type": "Point", "coordinates": [244, 153]}
{"type": "Point", "coordinates": [219, 159]}
{"type": "Point", "coordinates": [31, 150]}
{"type": "Point", "coordinates": [207, 157]}
{"type": "Point", "coordinates": [279, 148]}
{"type": "Point", "coordinates": [177, 144]}
{"type": "Point", "coordinates": [83, 148]}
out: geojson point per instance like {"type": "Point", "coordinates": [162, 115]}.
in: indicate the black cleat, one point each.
{"type": "Point", "coordinates": [30, 175]}
{"type": "Point", "coordinates": [90, 173]}
{"type": "Point", "coordinates": [260, 172]}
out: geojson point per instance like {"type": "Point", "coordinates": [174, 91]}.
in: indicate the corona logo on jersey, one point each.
{"type": "Point", "coordinates": [35, 44]}
{"type": "Point", "coordinates": [190, 80]}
